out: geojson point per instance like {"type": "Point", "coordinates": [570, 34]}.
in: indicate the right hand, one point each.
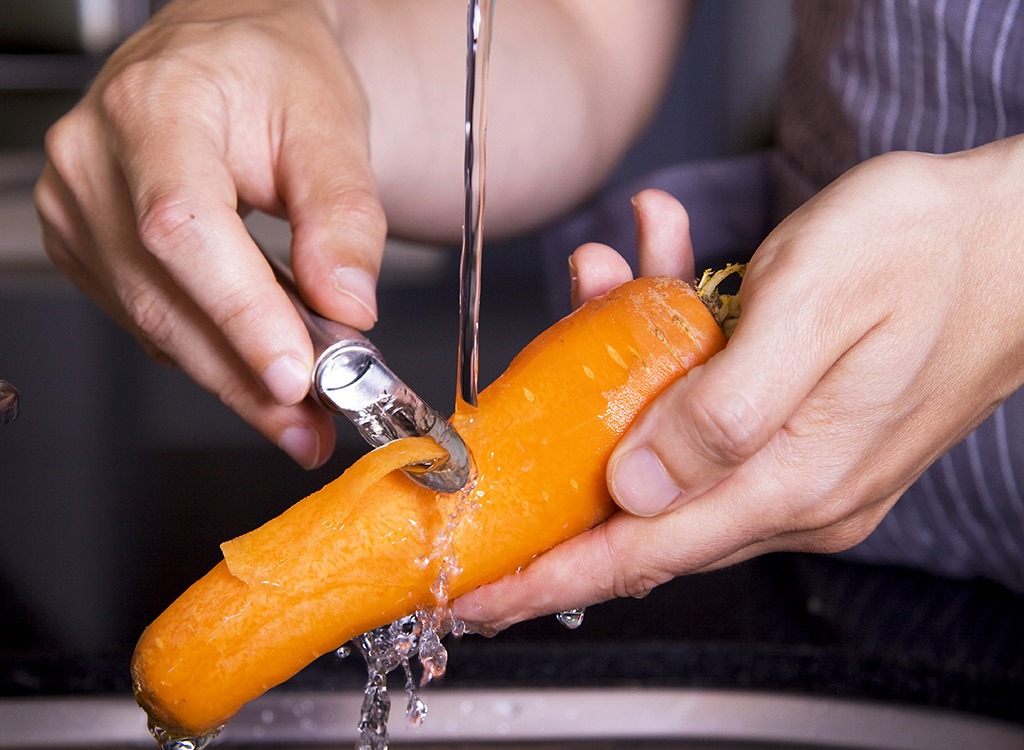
{"type": "Point", "coordinates": [208, 111]}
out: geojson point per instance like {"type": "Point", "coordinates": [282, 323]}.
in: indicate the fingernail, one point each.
{"type": "Point", "coordinates": [303, 445]}
{"type": "Point", "coordinates": [641, 485]}
{"type": "Point", "coordinates": [287, 380]}
{"type": "Point", "coordinates": [357, 285]}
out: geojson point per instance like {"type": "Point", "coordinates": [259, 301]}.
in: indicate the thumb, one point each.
{"type": "Point", "coordinates": [719, 415]}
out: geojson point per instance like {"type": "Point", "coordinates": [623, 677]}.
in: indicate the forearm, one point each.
{"type": "Point", "coordinates": [571, 84]}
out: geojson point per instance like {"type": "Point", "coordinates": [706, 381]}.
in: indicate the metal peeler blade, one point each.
{"type": "Point", "coordinates": [350, 378]}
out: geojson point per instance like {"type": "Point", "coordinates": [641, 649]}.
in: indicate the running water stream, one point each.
{"type": "Point", "coordinates": [419, 635]}
{"type": "Point", "coordinates": [478, 53]}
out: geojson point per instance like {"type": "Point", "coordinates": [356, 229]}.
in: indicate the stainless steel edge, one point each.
{"type": "Point", "coordinates": [512, 716]}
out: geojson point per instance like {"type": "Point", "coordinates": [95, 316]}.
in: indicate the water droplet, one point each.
{"type": "Point", "coordinates": [169, 742]}
{"type": "Point", "coordinates": [571, 618]}
{"type": "Point", "coordinates": [458, 627]}
{"type": "Point", "coordinates": [416, 711]}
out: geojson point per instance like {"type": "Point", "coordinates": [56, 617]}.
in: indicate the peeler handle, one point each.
{"type": "Point", "coordinates": [324, 332]}
{"type": "Point", "coordinates": [350, 378]}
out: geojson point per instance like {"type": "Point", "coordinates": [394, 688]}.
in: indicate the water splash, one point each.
{"type": "Point", "coordinates": [571, 618]}
{"type": "Point", "coordinates": [394, 647]}
{"type": "Point", "coordinates": [415, 637]}
{"type": "Point", "coordinates": [169, 741]}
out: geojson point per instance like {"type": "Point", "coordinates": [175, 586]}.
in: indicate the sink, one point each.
{"type": "Point", "coordinates": [539, 719]}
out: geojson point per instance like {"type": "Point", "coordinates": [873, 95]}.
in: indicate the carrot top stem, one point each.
{"type": "Point", "coordinates": [725, 307]}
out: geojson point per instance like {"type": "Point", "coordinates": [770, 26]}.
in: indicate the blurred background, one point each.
{"type": "Point", "coordinates": [120, 477]}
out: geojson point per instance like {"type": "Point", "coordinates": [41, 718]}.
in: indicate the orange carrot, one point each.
{"type": "Point", "coordinates": [349, 557]}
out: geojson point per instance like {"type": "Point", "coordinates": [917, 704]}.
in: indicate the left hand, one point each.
{"type": "Point", "coordinates": [881, 322]}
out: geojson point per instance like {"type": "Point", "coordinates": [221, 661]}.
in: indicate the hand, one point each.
{"type": "Point", "coordinates": [881, 322]}
{"type": "Point", "coordinates": [216, 108]}
{"type": "Point", "coordinates": [208, 111]}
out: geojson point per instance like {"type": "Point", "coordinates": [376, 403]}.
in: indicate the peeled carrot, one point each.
{"type": "Point", "coordinates": [349, 558]}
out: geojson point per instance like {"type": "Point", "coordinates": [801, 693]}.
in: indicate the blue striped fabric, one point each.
{"type": "Point", "coordinates": [880, 75]}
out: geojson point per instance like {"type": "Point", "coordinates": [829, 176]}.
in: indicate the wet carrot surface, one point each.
{"type": "Point", "coordinates": [350, 557]}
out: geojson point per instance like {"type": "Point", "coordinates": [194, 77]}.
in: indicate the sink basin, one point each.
{"type": "Point", "coordinates": [540, 719]}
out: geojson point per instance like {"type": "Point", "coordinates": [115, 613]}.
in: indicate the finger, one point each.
{"type": "Point", "coordinates": [105, 258]}
{"type": "Point", "coordinates": [338, 222]}
{"type": "Point", "coordinates": [303, 432]}
{"type": "Point", "coordinates": [626, 556]}
{"type": "Point", "coordinates": [69, 243]}
{"type": "Point", "coordinates": [63, 227]}
{"type": "Point", "coordinates": [187, 207]}
{"type": "Point", "coordinates": [663, 235]}
{"type": "Point", "coordinates": [761, 508]}
{"type": "Point", "coordinates": [595, 269]}
{"type": "Point", "coordinates": [189, 338]}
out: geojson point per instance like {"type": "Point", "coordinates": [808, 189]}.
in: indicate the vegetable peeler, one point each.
{"type": "Point", "coordinates": [350, 378]}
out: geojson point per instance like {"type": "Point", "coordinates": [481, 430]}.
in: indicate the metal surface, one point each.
{"type": "Point", "coordinates": [351, 379]}
{"type": "Point", "coordinates": [555, 718]}
{"type": "Point", "coordinates": [8, 402]}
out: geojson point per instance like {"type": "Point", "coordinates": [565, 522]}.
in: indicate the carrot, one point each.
{"type": "Point", "coordinates": [349, 557]}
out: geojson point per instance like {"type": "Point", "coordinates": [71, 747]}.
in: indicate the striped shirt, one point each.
{"type": "Point", "coordinates": [869, 77]}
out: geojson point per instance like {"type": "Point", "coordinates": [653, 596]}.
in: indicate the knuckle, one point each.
{"type": "Point", "coordinates": [71, 152]}
{"type": "Point", "coordinates": [727, 430]}
{"type": "Point", "coordinates": [633, 584]}
{"type": "Point", "coordinates": [129, 88]}
{"type": "Point", "coordinates": [839, 524]}
{"type": "Point", "coordinates": [839, 536]}
{"type": "Point", "coordinates": [151, 313]}
{"type": "Point", "coordinates": [120, 90]}
{"type": "Point", "coordinates": [60, 143]}
{"type": "Point", "coordinates": [362, 215]}
{"type": "Point", "coordinates": [620, 574]}
{"type": "Point", "coordinates": [240, 306]}
{"type": "Point", "coordinates": [167, 223]}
